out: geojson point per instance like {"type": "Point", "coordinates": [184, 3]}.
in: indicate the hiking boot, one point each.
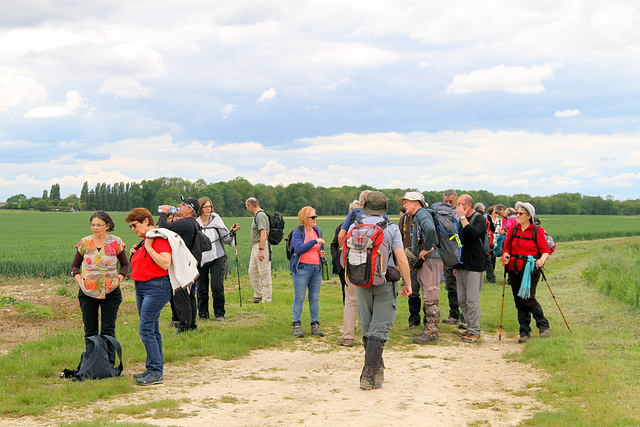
{"type": "Point", "coordinates": [410, 327]}
{"type": "Point", "coordinates": [463, 325]}
{"type": "Point", "coordinates": [425, 338]}
{"type": "Point", "coordinates": [254, 300]}
{"type": "Point", "coordinates": [174, 324]}
{"type": "Point", "coordinates": [315, 329]}
{"type": "Point", "coordinates": [297, 330]}
{"type": "Point", "coordinates": [366, 383]}
{"type": "Point", "coordinates": [545, 333]}
{"type": "Point", "coordinates": [468, 338]}
{"type": "Point", "coordinates": [523, 339]}
{"type": "Point", "coordinates": [450, 321]}
{"type": "Point", "coordinates": [140, 375]}
{"type": "Point", "coordinates": [345, 342]}
{"type": "Point", "coordinates": [220, 318]}
{"type": "Point", "coordinates": [462, 333]}
{"type": "Point", "coordinates": [380, 374]}
{"type": "Point", "coordinates": [204, 317]}
{"type": "Point", "coordinates": [368, 380]}
{"type": "Point", "coordinates": [151, 378]}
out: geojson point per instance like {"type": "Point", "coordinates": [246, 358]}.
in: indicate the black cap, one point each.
{"type": "Point", "coordinates": [190, 201]}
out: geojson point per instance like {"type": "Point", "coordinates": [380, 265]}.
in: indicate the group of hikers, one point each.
{"type": "Point", "coordinates": [454, 241]}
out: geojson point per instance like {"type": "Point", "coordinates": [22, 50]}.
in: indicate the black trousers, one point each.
{"type": "Point", "coordinates": [186, 308]}
{"type": "Point", "coordinates": [414, 301]}
{"type": "Point", "coordinates": [527, 307]}
{"type": "Point", "coordinates": [452, 293]}
{"type": "Point", "coordinates": [99, 315]}
{"type": "Point", "coordinates": [490, 268]}
{"type": "Point", "coordinates": [216, 269]}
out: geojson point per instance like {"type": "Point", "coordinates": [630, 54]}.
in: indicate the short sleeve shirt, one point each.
{"type": "Point", "coordinates": [143, 268]}
{"type": "Point", "coordinates": [260, 222]}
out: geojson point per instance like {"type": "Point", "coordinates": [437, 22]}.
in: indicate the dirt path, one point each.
{"type": "Point", "coordinates": [438, 385]}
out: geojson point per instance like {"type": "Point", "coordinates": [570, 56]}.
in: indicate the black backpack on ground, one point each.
{"type": "Point", "coordinates": [276, 227]}
{"type": "Point", "coordinates": [98, 360]}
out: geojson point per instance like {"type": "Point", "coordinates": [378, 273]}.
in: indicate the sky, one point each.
{"type": "Point", "coordinates": [536, 97]}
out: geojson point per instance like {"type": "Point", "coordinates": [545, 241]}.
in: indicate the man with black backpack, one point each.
{"type": "Point", "coordinates": [184, 300]}
{"type": "Point", "coordinates": [260, 260]}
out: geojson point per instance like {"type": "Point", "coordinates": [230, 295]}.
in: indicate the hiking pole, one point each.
{"type": "Point", "coordinates": [504, 285]}
{"type": "Point", "coordinates": [235, 242]}
{"type": "Point", "coordinates": [554, 298]}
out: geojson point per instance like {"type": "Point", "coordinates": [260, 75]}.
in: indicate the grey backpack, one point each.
{"type": "Point", "coordinates": [448, 241]}
{"type": "Point", "coordinates": [98, 360]}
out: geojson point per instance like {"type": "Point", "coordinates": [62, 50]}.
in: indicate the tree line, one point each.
{"type": "Point", "coordinates": [228, 198]}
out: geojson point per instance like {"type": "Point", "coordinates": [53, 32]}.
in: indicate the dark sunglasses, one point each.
{"type": "Point", "coordinates": [313, 217]}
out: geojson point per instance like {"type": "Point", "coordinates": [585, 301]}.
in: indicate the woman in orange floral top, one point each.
{"type": "Point", "coordinates": [94, 268]}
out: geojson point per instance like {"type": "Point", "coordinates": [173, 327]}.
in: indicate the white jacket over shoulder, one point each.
{"type": "Point", "coordinates": [183, 271]}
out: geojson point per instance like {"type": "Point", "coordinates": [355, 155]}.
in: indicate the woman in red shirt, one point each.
{"type": "Point", "coordinates": [149, 263]}
{"type": "Point", "coordinates": [519, 245]}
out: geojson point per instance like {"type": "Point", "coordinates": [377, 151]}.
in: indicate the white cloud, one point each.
{"type": "Point", "coordinates": [567, 113]}
{"type": "Point", "coordinates": [73, 103]}
{"type": "Point", "coordinates": [272, 167]}
{"type": "Point", "coordinates": [267, 95]}
{"type": "Point", "coordinates": [227, 110]}
{"type": "Point", "coordinates": [520, 80]}
{"type": "Point", "coordinates": [455, 159]}
{"type": "Point", "coordinates": [15, 90]}
{"type": "Point", "coordinates": [125, 88]}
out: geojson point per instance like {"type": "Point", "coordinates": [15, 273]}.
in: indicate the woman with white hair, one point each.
{"type": "Point", "coordinates": [525, 254]}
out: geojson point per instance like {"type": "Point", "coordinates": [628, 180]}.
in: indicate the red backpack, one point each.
{"type": "Point", "coordinates": [365, 254]}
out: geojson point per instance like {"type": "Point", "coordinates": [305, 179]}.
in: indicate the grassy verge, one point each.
{"type": "Point", "coordinates": [594, 371]}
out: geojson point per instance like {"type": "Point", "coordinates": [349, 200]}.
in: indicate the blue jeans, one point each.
{"type": "Point", "coordinates": [306, 276]}
{"type": "Point", "coordinates": [151, 297]}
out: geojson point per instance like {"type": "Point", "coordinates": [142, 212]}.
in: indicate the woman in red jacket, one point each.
{"type": "Point", "coordinates": [520, 243]}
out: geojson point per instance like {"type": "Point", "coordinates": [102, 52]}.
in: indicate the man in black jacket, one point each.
{"type": "Point", "coordinates": [184, 300]}
{"type": "Point", "coordinates": [470, 271]}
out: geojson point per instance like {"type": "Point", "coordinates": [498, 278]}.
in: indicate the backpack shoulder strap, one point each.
{"type": "Point", "coordinates": [116, 345]}
{"type": "Point", "coordinates": [383, 224]}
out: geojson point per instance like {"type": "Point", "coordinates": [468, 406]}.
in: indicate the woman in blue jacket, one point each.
{"type": "Point", "coordinates": [307, 249]}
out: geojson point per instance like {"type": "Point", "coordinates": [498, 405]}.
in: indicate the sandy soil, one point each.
{"type": "Point", "coordinates": [448, 384]}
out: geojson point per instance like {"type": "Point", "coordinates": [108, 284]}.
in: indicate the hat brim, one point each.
{"type": "Point", "coordinates": [523, 206]}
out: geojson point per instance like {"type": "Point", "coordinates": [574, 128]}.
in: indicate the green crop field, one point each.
{"type": "Point", "coordinates": [42, 244]}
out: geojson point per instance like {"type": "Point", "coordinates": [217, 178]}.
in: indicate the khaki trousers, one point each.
{"type": "Point", "coordinates": [260, 274]}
